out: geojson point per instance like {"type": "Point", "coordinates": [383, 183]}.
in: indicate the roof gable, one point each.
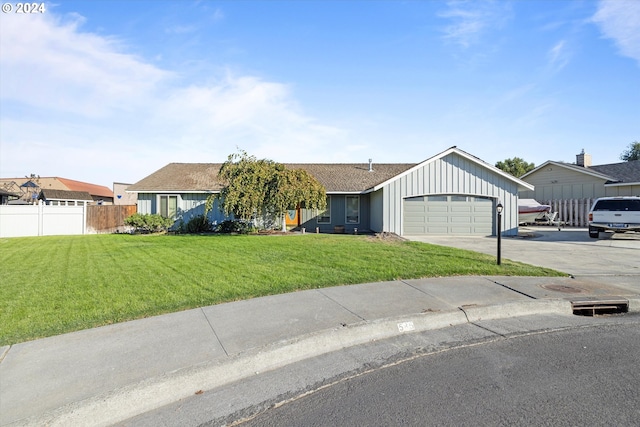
{"type": "Point", "coordinates": [624, 172]}
{"type": "Point", "coordinates": [454, 150]}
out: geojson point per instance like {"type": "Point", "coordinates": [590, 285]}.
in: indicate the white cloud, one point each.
{"type": "Point", "coordinates": [77, 105]}
{"type": "Point", "coordinates": [470, 20]}
{"type": "Point", "coordinates": [620, 20]}
{"type": "Point", "coordinates": [218, 15]}
{"type": "Point", "coordinates": [52, 65]}
{"type": "Point", "coordinates": [558, 56]}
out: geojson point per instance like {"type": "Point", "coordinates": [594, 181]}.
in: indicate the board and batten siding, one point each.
{"type": "Point", "coordinates": [376, 219]}
{"type": "Point", "coordinates": [557, 183]}
{"type": "Point", "coordinates": [146, 203]}
{"type": "Point", "coordinates": [451, 174]}
{"type": "Point", "coordinates": [189, 206]}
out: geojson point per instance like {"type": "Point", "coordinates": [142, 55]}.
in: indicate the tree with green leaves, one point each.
{"type": "Point", "coordinates": [259, 187]}
{"type": "Point", "coordinates": [632, 152]}
{"type": "Point", "coordinates": [516, 166]}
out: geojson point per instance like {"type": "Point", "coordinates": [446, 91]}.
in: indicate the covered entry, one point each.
{"type": "Point", "coordinates": [448, 214]}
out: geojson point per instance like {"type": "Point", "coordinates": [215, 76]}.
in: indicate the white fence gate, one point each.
{"type": "Point", "coordinates": [42, 220]}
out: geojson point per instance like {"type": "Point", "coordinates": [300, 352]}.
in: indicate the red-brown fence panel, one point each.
{"type": "Point", "coordinates": [108, 218]}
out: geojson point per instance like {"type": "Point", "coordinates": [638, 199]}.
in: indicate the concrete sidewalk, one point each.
{"type": "Point", "coordinates": [109, 374]}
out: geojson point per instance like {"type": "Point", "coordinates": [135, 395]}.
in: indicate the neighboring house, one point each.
{"type": "Point", "coordinates": [29, 188]}
{"type": "Point", "coordinates": [5, 196]}
{"type": "Point", "coordinates": [64, 197]}
{"type": "Point", "coordinates": [453, 192]}
{"type": "Point", "coordinates": [120, 195]}
{"type": "Point", "coordinates": [582, 180]}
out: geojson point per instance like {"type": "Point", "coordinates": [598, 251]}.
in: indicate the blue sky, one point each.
{"type": "Point", "coordinates": [104, 91]}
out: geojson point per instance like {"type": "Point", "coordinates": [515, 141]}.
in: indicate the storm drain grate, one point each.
{"type": "Point", "coordinates": [599, 306]}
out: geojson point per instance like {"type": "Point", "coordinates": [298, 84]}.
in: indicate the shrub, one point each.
{"type": "Point", "coordinates": [197, 224]}
{"type": "Point", "coordinates": [148, 223]}
{"type": "Point", "coordinates": [235, 226]}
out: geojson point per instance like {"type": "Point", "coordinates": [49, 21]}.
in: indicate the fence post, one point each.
{"type": "Point", "coordinates": [84, 218]}
{"type": "Point", "coordinates": [40, 217]}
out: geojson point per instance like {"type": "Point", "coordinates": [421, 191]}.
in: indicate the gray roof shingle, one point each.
{"type": "Point", "coordinates": [181, 177]}
{"type": "Point", "coordinates": [336, 177]}
{"type": "Point", "coordinates": [624, 172]}
{"type": "Point", "coordinates": [351, 177]}
{"type": "Point", "coordinates": [51, 194]}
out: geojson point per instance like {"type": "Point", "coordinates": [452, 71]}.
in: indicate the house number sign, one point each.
{"type": "Point", "coordinates": [406, 327]}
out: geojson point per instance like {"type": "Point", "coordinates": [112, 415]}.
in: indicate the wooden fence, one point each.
{"type": "Point", "coordinates": [571, 212]}
{"type": "Point", "coordinates": [108, 218]}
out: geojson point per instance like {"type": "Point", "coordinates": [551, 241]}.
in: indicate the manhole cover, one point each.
{"type": "Point", "coordinates": [563, 288]}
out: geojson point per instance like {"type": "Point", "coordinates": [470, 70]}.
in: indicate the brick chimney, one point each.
{"type": "Point", "coordinates": [583, 159]}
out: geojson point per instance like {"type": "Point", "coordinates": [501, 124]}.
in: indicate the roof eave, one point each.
{"type": "Point", "coordinates": [620, 184]}
{"type": "Point", "coordinates": [155, 191]}
{"type": "Point", "coordinates": [335, 192]}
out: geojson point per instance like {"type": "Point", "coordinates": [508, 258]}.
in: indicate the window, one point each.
{"type": "Point", "coordinates": [168, 206]}
{"type": "Point", "coordinates": [617, 205]}
{"type": "Point", "coordinates": [436, 198]}
{"type": "Point", "coordinates": [324, 217]}
{"type": "Point", "coordinates": [353, 209]}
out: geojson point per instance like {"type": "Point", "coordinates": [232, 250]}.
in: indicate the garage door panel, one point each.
{"type": "Point", "coordinates": [454, 214]}
{"type": "Point", "coordinates": [436, 219]}
{"type": "Point", "coordinates": [483, 219]}
{"type": "Point", "coordinates": [437, 230]}
{"type": "Point", "coordinates": [458, 208]}
{"type": "Point", "coordinates": [460, 230]}
{"type": "Point", "coordinates": [461, 220]}
{"type": "Point", "coordinates": [437, 208]}
{"type": "Point", "coordinates": [413, 208]}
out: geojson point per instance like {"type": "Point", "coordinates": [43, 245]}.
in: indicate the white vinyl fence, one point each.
{"type": "Point", "coordinates": [41, 220]}
{"type": "Point", "coordinates": [571, 212]}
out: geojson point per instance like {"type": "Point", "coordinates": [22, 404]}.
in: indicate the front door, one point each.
{"type": "Point", "coordinates": [292, 218]}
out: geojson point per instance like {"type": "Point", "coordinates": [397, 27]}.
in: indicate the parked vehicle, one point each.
{"type": "Point", "coordinates": [617, 214]}
{"type": "Point", "coordinates": [529, 211]}
{"type": "Point", "coordinates": [532, 212]}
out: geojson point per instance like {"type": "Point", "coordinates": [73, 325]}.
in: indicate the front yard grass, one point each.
{"type": "Point", "coordinates": [57, 284]}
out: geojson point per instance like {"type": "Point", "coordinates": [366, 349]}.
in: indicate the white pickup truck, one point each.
{"type": "Point", "coordinates": [616, 214]}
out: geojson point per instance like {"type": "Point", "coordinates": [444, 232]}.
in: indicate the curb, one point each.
{"type": "Point", "coordinates": [129, 401]}
{"type": "Point", "coordinates": [634, 305]}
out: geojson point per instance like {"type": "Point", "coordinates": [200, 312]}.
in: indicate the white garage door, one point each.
{"type": "Point", "coordinates": [448, 214]}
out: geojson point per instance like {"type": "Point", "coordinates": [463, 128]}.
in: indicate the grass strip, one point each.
{"type": "Point", "coordinates": [57, 284]}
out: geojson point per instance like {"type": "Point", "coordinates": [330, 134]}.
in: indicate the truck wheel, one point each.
{"type": "Point", "coordinates": [594, 233]}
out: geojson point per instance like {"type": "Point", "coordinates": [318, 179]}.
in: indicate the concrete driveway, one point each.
{"type": "Point", "coordinates": [570, 250]}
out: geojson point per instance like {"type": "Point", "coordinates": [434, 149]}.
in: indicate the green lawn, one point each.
{"type": "Point", "coordinates": [53, 285]}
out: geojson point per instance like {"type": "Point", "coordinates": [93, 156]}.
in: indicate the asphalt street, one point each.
{"type": "Point", "coordinates": [581, 376]}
